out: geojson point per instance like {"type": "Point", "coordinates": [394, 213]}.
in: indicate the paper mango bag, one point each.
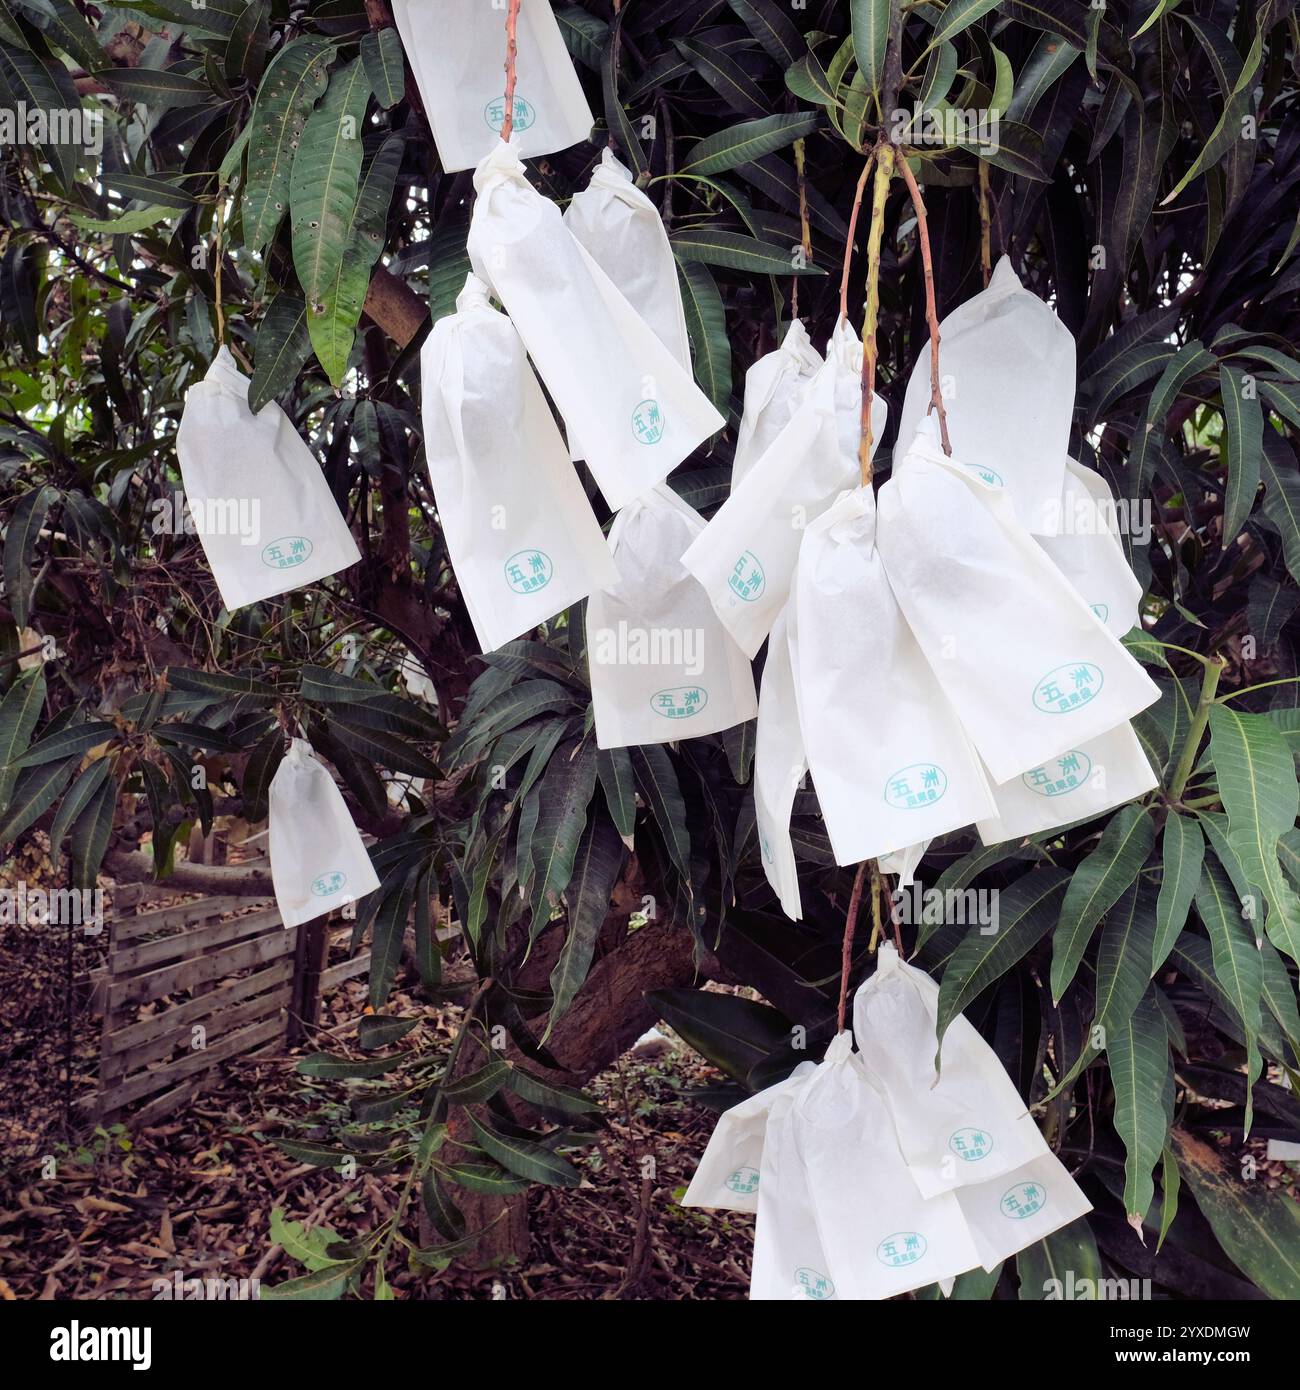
{"type": "Point", "coordinates": [880, 1236]}
{"type": "Point", "coordinates": [969, 1126]}
{"type": "Point", "coordinates": [261, 506]}
{"type": "Point", "coordinates": [888, 757]}
{"type": "Point", "coordinates": [1008, 373]}
{"type": "Point", "coordinates": [318, 862]}
{"type": "Point", "coordinates": [779, 767]}
{"type": "Point", "coordinates": [746, 557]}
{"type": "Point", "coordinates": [1012, 1212]}
{"type": "Point", "coordinates": [728, 1176]}
{"type": "Point", "coordinates": [774, 386]}
{"type": "Point", "coordinates": [457, 53]}
{"type": "Point", "coordinates": [1099, 775]}
{"type": "Point", "coordinates": [622, 231]}
{"type": "Point", "coordinates": [662, 666]}
{"type": "Point", "coordinates": [520, 532]}
{"type": "Point", "coordinates": [1088, 551]}
{"type": "Point", "coordinates": [624, 396]}
{"type": "Point", "coordinates": [789, 1261]}
{"type": "Point", "coordinates": [1026, 664]}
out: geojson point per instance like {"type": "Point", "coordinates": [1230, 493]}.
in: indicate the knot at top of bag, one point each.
{"type": "Point", "coordinates": [851, 518]}
{"type": "Point", "coordinates": [225, 374]}
{"type": "Point", "coordinates": [502, 162]}
{"type": "Point", "coordinates": [300, 753]}
{"type": "Point", "coordinates": [797, 346]}
{"type": "Point", "coordinates": [840, 1049]}
{"type": "Point", "coordinates": [887, 960]}
{"type": "Point", "coordinates": [474, 294]}
{"type": "Point", "coordinates": [613, 176]}
{"type": "Point", "coordinates": [844, 347]}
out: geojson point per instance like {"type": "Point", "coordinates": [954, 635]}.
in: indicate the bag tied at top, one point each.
{"type": "Point", "coordinates": [746, 557]}
{"type": "Point", "coordinates": [1024, 661]}
{"type": "Point", "coordinates": [1009, 369]}
{"type": "Point", "coordinates": [520, 532]}
{"type": "Point", "coordinates": [889, 759]}
{"type": "Point", "coordinates": [261, 506]}
{"type": "Point", "coordinates": [318, 862]}
{"type": "Point", "coordinates": [965, 1125]}
{"type": "Point", "coordinates": [457, 50]}
{"type": "Point", "coordinates": [624, 396]}
{"type": "Point", "coordinates": [662, 666]}
{"type": "Point", "coordinates": [621, 230]}
{"type": "Point", "coordinates": [774, 386]}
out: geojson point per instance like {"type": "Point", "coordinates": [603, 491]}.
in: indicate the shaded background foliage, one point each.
{"type": "Point", "coordinates": [1146, 182]}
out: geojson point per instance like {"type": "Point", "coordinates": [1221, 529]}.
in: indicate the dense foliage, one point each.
{"type": "Point", "coordinates": [1145, 180]}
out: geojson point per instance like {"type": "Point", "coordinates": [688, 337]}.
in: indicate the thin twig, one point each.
{"type": "Point", "coordinates": [931, 312]}
{"type": "Point", "coordinates": [986, 229]}
{"type": "Point", "coordinates": [512, 54]}
{"type": "Point", "coordinates": [805, 231]}
{"type": "Point", "coordinates": [853, 226]}
{"type": "Point", "coordinates": [846, 957]}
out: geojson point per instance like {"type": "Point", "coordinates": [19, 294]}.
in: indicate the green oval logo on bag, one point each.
{"type": "Point", "coordinates": [648, 422]}
{"type": "Point", "coordinates": [986, 475]}
{"type": "Point", "coordinates": [743, 1180]}
{"type": "Point", "coordinates": [679, 701]}
{"type": "Point", "coordinates": [902, 1248]}
{"type": "Point", "coordinates": [328, 884]}
{"type": "Point", "coordinates": [1057, 776]}
{"type": "Point", "coordinates": [747, 580]}
{"type": "Point", "coordinates": [494, 113]}
{"type": "Point", "coordinates": [286, 553]}
{"type": "Point", "coordinates": [1023, 1200]}
{"type": "Point", "coordinates": [912, 787]}
{"type": "Point", "coordinates": [811, 1284]}
{"type": "Point", "coordinates": [529, 570]}
{"type": "Point", "coordinates": [970, 1144]}
{"type": "Point", "coordinates": [1069, 687]}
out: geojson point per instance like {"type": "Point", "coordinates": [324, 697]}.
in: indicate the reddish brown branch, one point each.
{"type": "Point", "coordinates": [846, 956]}
{"type": "Point", "coordinates": [931, 312]}
{"type": "Point", "coordinates": [853, 227]}
{"type": "Point", "coordinates": [512, 54]}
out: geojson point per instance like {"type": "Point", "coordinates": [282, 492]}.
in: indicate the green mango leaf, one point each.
{"type": "Point", "coordinates": [744, 143]}
{"type": "Point", "coordinates": [385, 65]}
{"type": "Point", "coordinates": [596, 867]}
{"type": "Point", "coordinates": [1138, 1052]}
{"type": "Point", "coordinates": [1053, 1267]}
{"type": "Point", "coordinates": [527, 1159]}
{"type": "Point", "coordinates": [1242, 448]}
{"type": "Point", "coordinates": [706, 326]}
{"type": "Point", "coordinates": [20, 548]}
{"type": "Point", "coordinates": [1183, 850]}
{"type": "Point", "coordinates": [734, 1034]}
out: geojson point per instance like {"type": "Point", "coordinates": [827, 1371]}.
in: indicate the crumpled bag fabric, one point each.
{"type": "Point", "coordinates": [774, 386]}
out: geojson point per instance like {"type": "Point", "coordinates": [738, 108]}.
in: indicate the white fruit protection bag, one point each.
{"type": "Point", "coordinates": [1009, 376]}
{"type": "Point", "coordinates": [967, 1125]}
{"type": "Point", "coordinates": [318, 862]}
{"type": "Point", "coordinates": [1025, 662]}
{"type": "Point", "coordinates": [746, 557]}
{"type": "Point", "coordinates": [728, 1175]}
{"type": "Point", "coordinates": [1100, 774]}
{"type": "Point", "coordinates": [774, 386]}
{"type": "Point", "coordinates": [622, 231]}
{"type": "Point", "coordinates": [457, 53]}
{"type": "Point", "coordinates": [889, 759]}
{"type": "Point", "coordinates": [1007, 1214]}
{"type": "Point", "coordinates": [624, 396]}
{"type": "Point", "coordinates": [1089, 553]}
{"type": "Point", "coordinates": [779, 766]}
{"type": "Point", "coordinates": [880, 1236]}
{"type": "Point", "coordinates": [521, 534]}
{"type": "Point", "coordinates": [662, 665]}
{"type": "Point", "coordinates": [263, 511]}
{"type": "Point", "coordinates": [789, 1261]}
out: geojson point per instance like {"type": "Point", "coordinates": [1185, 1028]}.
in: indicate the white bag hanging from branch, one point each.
{"type": "Point", "coordinates": [779, 767]}
{"type": "Point", "coordinates": [889, 759]}
{"type": "Point", "coordinates": [521, 534]}
{"type": "Point", "coordinates": [728, 1175]}
{"type": "Point", "coordinates": [1026, 664]}
{"type": "Point", "coordinates": [622, 231]}
{"type": "Point", "coordinates": [789, 1261]}
{"type": "Point", "coordinates": [1008, 379]}
{"type": "Point", "coordinates": [965, 1125]}
{"type": "Point", "coordinates": [318, 862]}
{"type": "Point", "coordinates": [662, 665]}
{"type": "Point", "coordinates": [774, 386]}
{"type": "Point", "coordinates": [880, 1236]}
{"type": "Point", "coordinates": [746, 557]}
{"type": "Point", "coordinates": [1102, 773]}
{"type": "Point", "coordinates": [624, 396]}
{"type": "Point", "coordinates": [1088, 551]}
{"type": "Point", "coordinates": [1011, 1213]}
{"type": "Point", "coordinates": [263, 511]}
{"type": "Point", "coordinates": [457, 50]}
